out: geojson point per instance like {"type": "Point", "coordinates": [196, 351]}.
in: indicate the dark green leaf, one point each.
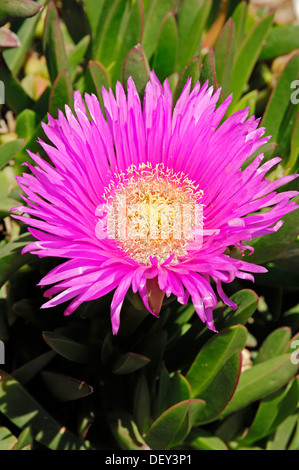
{"type": "Point", "coordinates": [192, 70]}
{"type": "Point", "coordinates": [247, 302]}
{"type": "Point", "coordinates": [191, 44]}
{"type": "Point", "coordinates": [129, 37]}
{"type": "Point", "coordinates": [269, 247]}
{"type": "Point", "coordinates": [165, 56]}
{"type": "Point", "coordinates": [137, 67]}
{"type": "Point", "coordinates": [15, 58]}
{"type": "Point", "coordinates": [97, 77]}
{"type": "Point", "coordinates": [220, 390]}
{"type": "Point", "coordinates": [68, 348]}
{"type": "Point", "coordinates": [9, 150]}
{"type": "Point", "coordinates": [129, 362]}
{"type": "Point", "coordinates": [173, 425]}
{"type": "Point", "coordinates": [75, 19]}
{"type": "Point", "coordinates": [15, 96]}
{"type": "Point", "coordinates": [208, 71]}
{"type": "Point", "coordinates": [282, 39]}
{"type": "Point", "coordinates": [247, 56]}
{"type": "Point", "coordinates": [77, 55]}
{"type": "Point", "coordinates": [11, 258]}
{"type": "Point", "coordinates": [60, 94]}
{"type": "Point", "coordinates": [141, 406]}
{"type": "Point", "coordinates": [65, 388]}
{"type": "Point", "coordinates": [31, 368]}
{"type": "Point", "coordinates": [17, 9]}
{"type": "Point", "coordinates": [274, 345]}
{"type": "Point", "coordinates": [54, 48]}
{"type": "Point", "coordinates": [260, 381]}
{"type": "Point", "coordinates": [114, 12]}
{"type": "Point", "coordinates": [272, 412]}
{"type": "Point", "coordinates": [224, 55]}
{"type": "Point", "coordinates": [153, 17]}
{"type": "Point", "coordinates": [23, 410]}
{"type": "Point", "coordinates": [213, 356]}
{"type": "Point", "coordinates": [279, 100]}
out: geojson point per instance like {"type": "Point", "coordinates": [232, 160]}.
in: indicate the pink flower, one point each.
{"type": "Point", "coordinates": [116, 184]}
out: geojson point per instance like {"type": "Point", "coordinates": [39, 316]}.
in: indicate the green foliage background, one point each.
{"type": "Point", "coordinates": [67, 383]}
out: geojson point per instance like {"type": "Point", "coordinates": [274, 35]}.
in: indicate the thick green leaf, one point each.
{"type": "Point", "coordinates": [191, 44]}
{"type": "Point", "coordinates": [239, 17]}
{"type": "Point", "coordinates": [65, 388]}
{"type": "Point", "coordinates": [283, 434]}
{"type": "Point", "coordinates": [125, 431]}
{"type": "Point", "coordinates": [75, 18]}
{"type": "Point", "coordinates": [11, 258]}
{"type": "Point", "coordinates": [31, 368]}
{"type": "Point", "coordinates": [153, 17]}
{"type": "Point", "coordinates": [15, 96]}
{"type": "Point", "coordinates": [26, 123]}
{"type": "Point", "coordinates": [203, 440]}
{"type": "Point", "coordinates": [212, 357]}
{"type": "Point", "coordinates": [137, 67]}
{"type": "Point", "coordinates": [208, 71]}
{"type": "Point", "coordinates": [260, 381]}
{"type": "Point", "coordinates": [7, 440]}
{"type": "Point", "coordinates": [282, 39]}
{"type": "Point", "coordinates": [173, 425]}
{"type": "Point", "coordinates": [16, 57]}
{"type": "Point", "coordinates": [272, 412]}
{"type": "Point", "coordinates": [9, 150]}
{"type": "Point", "coordinates": [274, 345]}
{"type": "Point", "coordinates": [249, 99]}
{"type": "Point", "coordinates": [269, 247]}
{"type": "Point", "coordinates": [114, 12]}
{"type": "Point", "coordinates": [25, 439]}
{"type": "Point", "coordinates": [221, 389]}
{"type": "Point", "coordinates": [191, 71]}
{"type": "Point", "coordinates": [17, 9]}
{"type": "Point", "coordinates": [93, 10]}
{"type": "Point", "coordinates": [294, 444]}
{"type": "Point", "coordinates": [293, 163]}
{"type": "Point", "coordinates": [178, 390]}
{"type": "Point", "coordinates": [68, 348]}
{"type": "Point", "coordinates": [23, 410]}
{"type": "Point", "coordinates": [130, 36]}
{"type": "Point", "coordinates": [247, 302]}
{"type": "Point", "coordinates": [141, 405]}
{"type": "Point", "coordinates": [129, 362]}
{"type": "Point", "coordinates": [279, 100]}
{"type": "Point", "coordinates": [165, 56]}
{"type": "Point", "coordinates": [77, 55]}
{"type": "Point", "coordinates": [54, 48]}
{"type": "Point", "coordinates": [224, 55]}
{"type": "Point", "coordinates": [97, 77]}
{"type": "Point", "coordinates": [247, 56]}
{"type": "Point", "coordinates": [60, 94]}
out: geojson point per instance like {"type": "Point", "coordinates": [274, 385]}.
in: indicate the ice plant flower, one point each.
{"type": "Point", "coordinates": [150, 197]}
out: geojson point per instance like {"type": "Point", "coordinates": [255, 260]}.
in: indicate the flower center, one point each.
{"type": "Point", "coordinates": [152, 212]}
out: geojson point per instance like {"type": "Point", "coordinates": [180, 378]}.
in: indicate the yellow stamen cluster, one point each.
{"type": "Point", "coordinates": [152, 212]}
